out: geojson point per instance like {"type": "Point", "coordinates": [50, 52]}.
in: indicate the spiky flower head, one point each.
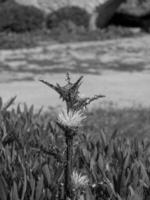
{"type": "Point", "coordinates": [79, 181]}
{"type": "Point", "coordinates": [71, 118]}
{"type": "Point", "coordinates": [70, 94]}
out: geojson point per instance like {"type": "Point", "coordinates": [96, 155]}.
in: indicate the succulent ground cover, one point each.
{"type": "Point", "coordinates": [41, 154]}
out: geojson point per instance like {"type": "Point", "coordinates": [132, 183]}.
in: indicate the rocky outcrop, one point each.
{"type": "Point", "coordinates": [107, 10]}
{"type": "Point", "coordinates": [128, 20]}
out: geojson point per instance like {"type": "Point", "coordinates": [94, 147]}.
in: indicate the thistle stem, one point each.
{"type": "Point", "coordinates": [68, 167]}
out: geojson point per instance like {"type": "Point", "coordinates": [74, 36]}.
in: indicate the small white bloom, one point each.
{"type": "Point", "coordinates": [70, 119]}
{"type": "Point", "coordinates": [107, 167]}
{"type": "Point", "coordinates": [78, 180]}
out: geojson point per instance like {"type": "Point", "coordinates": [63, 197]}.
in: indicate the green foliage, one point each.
{"type": "Point", "coordinates": [14, 41]}
{"type": "Point", "coordinates": [17, 18]}
{"type": "Point", "coordinates": [38, 153]}
{"type": "Point", "coordinates": [31, 159]}
{"type": "Point", "coordinates": [30, 166]}
{"type": "Point", "coordinates": [74, 14]}
{"type": "Point", "coordinates": [11, 40]}
{"type": "Point", "coordinates": [75, 34]}
{"type": "Point", "coordinates": [130, 122]}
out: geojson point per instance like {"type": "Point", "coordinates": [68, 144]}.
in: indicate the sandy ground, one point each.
{"type": "Point", "coordinates": [119, 69]}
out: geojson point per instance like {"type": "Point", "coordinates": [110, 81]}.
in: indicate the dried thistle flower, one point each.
{"type": "Point", "coordinates": [78, 180]}
{"type": "Point", "coordinates": [70, 94]}
{"type": "Point", "coordinates": [71, 118]}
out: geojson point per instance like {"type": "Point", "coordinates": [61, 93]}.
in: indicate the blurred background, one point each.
{"type": "Point", "coordinates": [107, 41]}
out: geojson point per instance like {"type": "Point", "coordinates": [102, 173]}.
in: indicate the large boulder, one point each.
{"type": "Point", "coordinates": [106, 11]}
{"type": "Point", "coordinates": [134, 14]}
{"type": "Point", "coordinates": [132, 21]}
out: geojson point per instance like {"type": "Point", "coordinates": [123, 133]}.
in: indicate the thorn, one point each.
{"type": "Point", "coordinates": [50, 85]}
{"type": "Point", "coordinates": [68, 78]}
{"type": "Point", "coordinates": [77, 83]}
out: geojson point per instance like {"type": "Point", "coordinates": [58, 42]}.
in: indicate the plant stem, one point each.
{"type": "Point", "coordinates": [68, 167]}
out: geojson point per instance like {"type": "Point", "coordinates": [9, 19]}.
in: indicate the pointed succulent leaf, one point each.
{"type": "Point", "coordinates": [39, 188]}
{"type": "Point", "coordinates": [15, 195]}
{"type": "Point", "coordinates": [9, 103]}
{"type": "Point", "coordinates": [3, 189]}
{"type": "Point", "coordinates": [32, 185]}
{"type": "Point", "coordinates": [47, 174]}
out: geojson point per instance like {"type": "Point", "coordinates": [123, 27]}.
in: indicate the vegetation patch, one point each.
{"type": "Point", "coordinates": [103, 153]}
{"type": "Point", "coordinates": [125, 67]}
{"type": "Point", "coordinates": [73, 14]}
{"type": "Point", "coordinates": [20, 19]}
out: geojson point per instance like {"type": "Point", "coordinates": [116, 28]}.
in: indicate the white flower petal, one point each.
{"type": "Point", "coordinates": [71, 119]}
{"type": "Point", "coordinates": [78, 180]}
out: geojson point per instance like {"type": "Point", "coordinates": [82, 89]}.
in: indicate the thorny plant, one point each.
{"type": "Point", "coordinates": [69, 121]}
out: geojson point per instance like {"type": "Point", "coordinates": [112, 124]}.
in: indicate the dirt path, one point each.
{"type": "Point", "coordinates": [120, 69]}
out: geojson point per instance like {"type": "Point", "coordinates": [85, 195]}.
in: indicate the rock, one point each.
{"type": "Point", "coordinates": [106, 11]}
{"type": "Point", "coordinates": [128, 20]}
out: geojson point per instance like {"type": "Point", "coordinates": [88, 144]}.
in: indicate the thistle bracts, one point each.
{"type": "Point", "coordinates": [70, 94]}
